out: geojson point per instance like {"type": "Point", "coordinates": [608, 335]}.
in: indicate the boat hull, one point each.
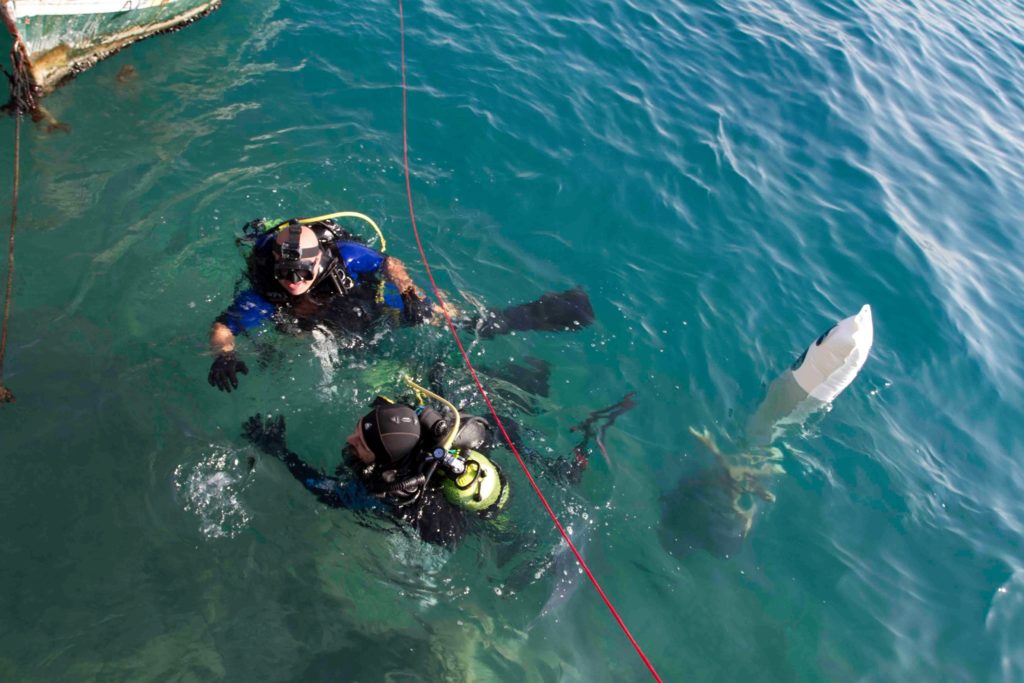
{"type": "Point", "coordinates": [57, 39]}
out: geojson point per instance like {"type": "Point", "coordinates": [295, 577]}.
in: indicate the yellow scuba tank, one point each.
{"type": "Point", "coordinates": [481, 487]}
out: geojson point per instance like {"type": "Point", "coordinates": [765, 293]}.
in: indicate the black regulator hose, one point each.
{"type": "Point", "coordinates": [399, 486]}
{"type": "Point", "coordinates": [425, 478]}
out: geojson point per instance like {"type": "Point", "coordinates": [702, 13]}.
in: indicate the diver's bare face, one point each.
{"type": "Point", "coordinates": [358, 444]}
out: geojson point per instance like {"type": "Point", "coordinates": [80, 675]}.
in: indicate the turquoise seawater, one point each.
{"type": "Point", "coordinates": [726, 180]}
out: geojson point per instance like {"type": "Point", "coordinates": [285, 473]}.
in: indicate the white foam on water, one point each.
{"type": "Point", "coordinates": [211, 490]}
{"type": "Point", "coordinates": [325, 349]}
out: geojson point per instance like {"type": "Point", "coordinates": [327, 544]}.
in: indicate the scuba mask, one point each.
{"type": "Point", "coordinates": [295, 263]}
{"type": "Point", "coordinates": [295, 271]}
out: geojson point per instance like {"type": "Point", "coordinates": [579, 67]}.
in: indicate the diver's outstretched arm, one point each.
{"type": "Point", "coordinates": [396, 272]}
{"type": "Point", "coordinates": [417, 308]}
{"type": "Point", "coordinates": [268, 436]}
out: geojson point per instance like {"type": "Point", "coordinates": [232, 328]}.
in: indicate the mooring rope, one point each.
{"type": "Point", "coordinates": [472, 370]}
{"type": "Point", "coordinates": [5, 394]}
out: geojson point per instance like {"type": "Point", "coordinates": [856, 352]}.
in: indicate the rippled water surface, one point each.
{"type": "Point", "coordinates": [726, 180]}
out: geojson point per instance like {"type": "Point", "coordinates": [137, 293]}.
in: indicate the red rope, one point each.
{"type": "Point", "coordinates": [472, 370]}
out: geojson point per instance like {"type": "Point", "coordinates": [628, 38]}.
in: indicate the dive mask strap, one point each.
{"type": "Point", "coordinates": [291, 249]}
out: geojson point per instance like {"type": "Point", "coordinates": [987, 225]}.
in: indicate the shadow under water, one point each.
{"type": "Point", "coordinates": [713, 509]}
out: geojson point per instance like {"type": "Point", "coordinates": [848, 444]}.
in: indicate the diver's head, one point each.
{"type": "Point", "coordinates": [386, 435]}
{"type": "Point", "coordinates": [297, 258]}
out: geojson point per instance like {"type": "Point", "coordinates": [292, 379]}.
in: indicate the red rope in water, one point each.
{"type": "Point", "coordinates": [472, 370]}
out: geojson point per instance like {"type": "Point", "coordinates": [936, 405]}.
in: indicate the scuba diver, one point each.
{"type": "Point", "coordinates": [427, 469]}
{"type": "Point", "coordinates": [311, 272]}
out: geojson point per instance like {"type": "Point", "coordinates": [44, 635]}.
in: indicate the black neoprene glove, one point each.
{"type": "Point", "coordinates": [267, 435]}
{"type": "Point", "coordinates": [415, 310]}
{"type": "Point", "coordinates": [224, 371]}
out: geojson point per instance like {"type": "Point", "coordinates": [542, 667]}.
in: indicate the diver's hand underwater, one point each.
{"type": "Point", "coordinates": [416, 310]}
{"type": "Point", "coordinates": [266, 434]}
{"type": "Point", "coordinates": [224, 371]}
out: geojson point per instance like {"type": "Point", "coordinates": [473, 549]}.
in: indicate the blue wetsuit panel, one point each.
{"type": "Point", "coordinates": [247, 311]}
{"type": "Point", "coordinates": [392, 298]}
{"type": "Point", "coordinates": [343, 494]}
{"type": "Point", "coordinates": [360, 259]}
{"type": "Point", "coordinates": [264, 241]}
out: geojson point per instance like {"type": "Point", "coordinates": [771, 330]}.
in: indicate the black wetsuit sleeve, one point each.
{"type": "Point", "coordinates": [313, 479]}
{"type": "Point", "coordinates": [328, 490]}
{"type": "Point", "coordinates": [332, 491]}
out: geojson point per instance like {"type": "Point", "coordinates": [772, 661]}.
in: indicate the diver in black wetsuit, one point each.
{"type": "Point", "coordinates": [426, 469]}
{"type": "Point", "coordinates": [408, 463]}
{"type": "Point", "coordinates": [302, 275]}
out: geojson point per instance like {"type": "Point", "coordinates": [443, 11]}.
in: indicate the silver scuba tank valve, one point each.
{"type": "Point", "coordinates": [450, 460]}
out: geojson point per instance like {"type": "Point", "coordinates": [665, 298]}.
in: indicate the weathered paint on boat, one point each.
{"type": "Point", "coordinates": [56, 39]}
